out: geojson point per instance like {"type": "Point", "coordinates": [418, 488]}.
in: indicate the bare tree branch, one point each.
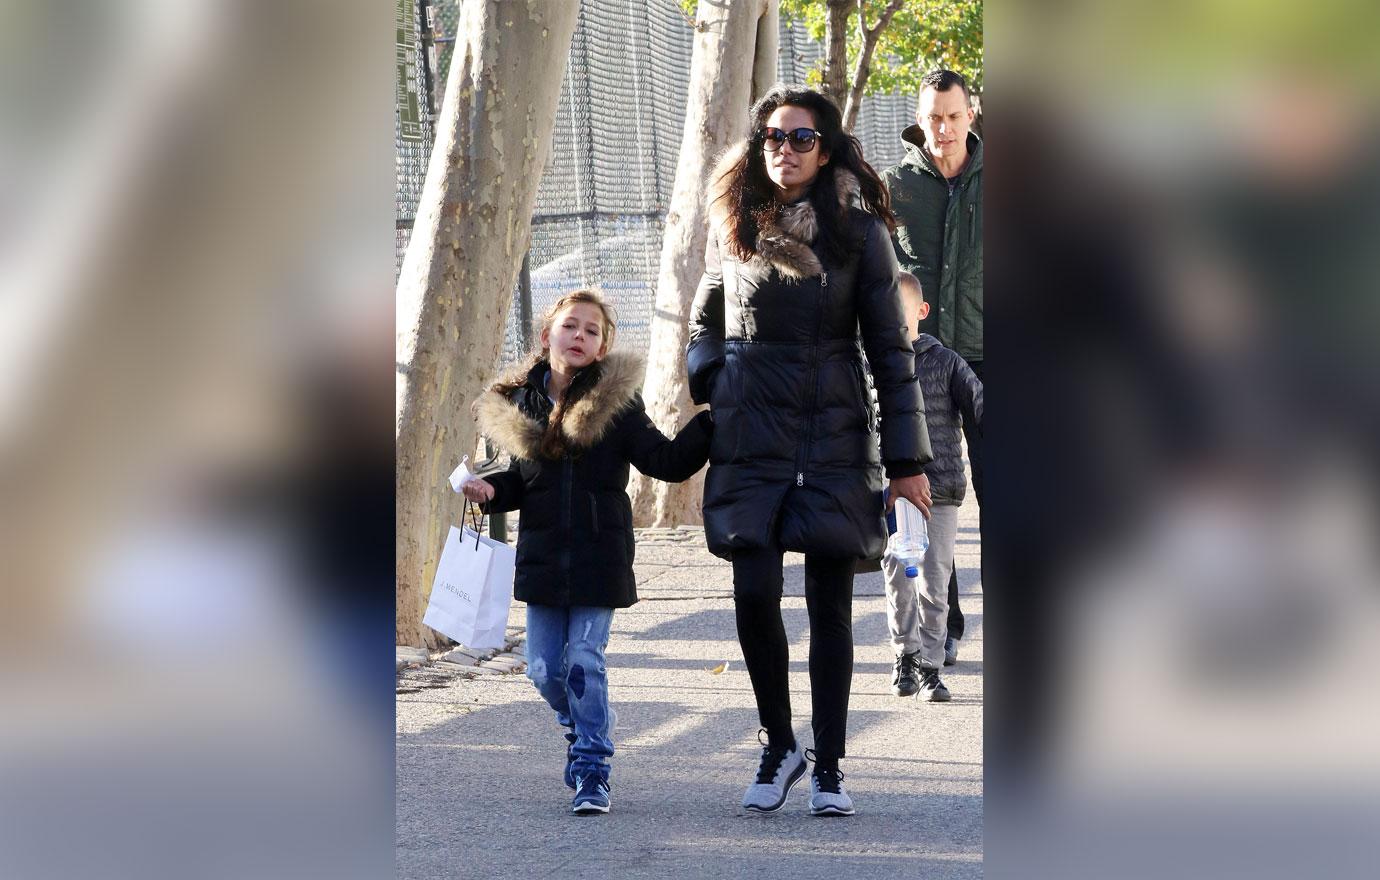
{"type": "Point", "coordinates": [697, 26]}
{"type": "Point", "coordinates": [870, 37]}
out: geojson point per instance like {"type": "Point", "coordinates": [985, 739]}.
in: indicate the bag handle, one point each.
{"type": "Point", "coordinates": [466, 518]}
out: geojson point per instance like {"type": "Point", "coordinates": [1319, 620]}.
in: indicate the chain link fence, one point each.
{"type": "Point", "coordinates": [416, 65]}
{"type": "Point", "coordinates": [601, 204]}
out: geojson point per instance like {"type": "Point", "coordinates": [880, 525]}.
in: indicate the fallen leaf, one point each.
{"type": "Point", "coordinates": [719, 669]}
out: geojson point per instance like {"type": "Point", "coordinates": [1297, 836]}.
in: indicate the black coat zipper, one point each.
{"type": "Point", "coordinates": [804, 455]}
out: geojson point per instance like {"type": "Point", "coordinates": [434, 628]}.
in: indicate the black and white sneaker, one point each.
{"type": "Point", "coordinates": [931, 688]}
{"type": "Point", "coordinates": [905, 681]}
{"type": "Point", "coordinates": [827, 795]}
{"type": "Point", "coordinates": [780, 769]}
{"type": "Point", "coordinates": [592, 795]}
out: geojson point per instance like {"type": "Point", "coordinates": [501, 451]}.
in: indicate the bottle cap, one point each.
{"type": "Point", "coordinates": [912, 571]}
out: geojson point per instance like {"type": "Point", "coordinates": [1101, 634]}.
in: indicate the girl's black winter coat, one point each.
{"type": "Point", "coordinates": [575, 537]}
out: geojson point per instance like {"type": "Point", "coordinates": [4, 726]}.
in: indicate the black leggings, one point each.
{"type": "Point", "coordinates": [757, 581]}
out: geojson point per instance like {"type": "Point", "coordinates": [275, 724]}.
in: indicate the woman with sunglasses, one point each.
{"type": "Point", "coordinates": [798, 285]}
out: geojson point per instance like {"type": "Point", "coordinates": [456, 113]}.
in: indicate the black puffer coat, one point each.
{"type": "Point", "coordinates": [953, 397]}
{"type": "Point", "coordinates": [575, 539]}
{"type": "Point", "coordinates": [775, 350]}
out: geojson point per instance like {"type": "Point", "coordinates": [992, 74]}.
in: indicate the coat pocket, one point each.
{"type": "Point", "coordinates": [594, 514]}
{"type": "Point", "coordinates": [972, 224]}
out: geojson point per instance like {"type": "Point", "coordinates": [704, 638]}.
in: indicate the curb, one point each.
{"type": "Point", "coordinates": [418, 668]}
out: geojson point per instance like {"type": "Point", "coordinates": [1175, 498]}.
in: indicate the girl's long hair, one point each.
{"type": "Point", "coordinates": [749, 197]}
{"type": "Point", "coordinates": [553, 441]}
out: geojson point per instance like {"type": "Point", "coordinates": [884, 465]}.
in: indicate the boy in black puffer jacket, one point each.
{"type": "Point", "coordinates": [918, 608]}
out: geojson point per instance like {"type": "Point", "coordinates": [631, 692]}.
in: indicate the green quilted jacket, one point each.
{"type": "Point", "coordinates": [939, 240]}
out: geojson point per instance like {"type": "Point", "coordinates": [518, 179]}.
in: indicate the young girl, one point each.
{"type": "Point", "coordinates": [573, 420]}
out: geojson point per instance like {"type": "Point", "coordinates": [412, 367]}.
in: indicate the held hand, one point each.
{"type": "Point", "coordinates": [914, 489]}
{"type": "Point", "coordinates": [478, 490]}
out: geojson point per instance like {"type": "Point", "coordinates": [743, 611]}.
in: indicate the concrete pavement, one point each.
{"type": "Point", "coordinates": [479, 761]}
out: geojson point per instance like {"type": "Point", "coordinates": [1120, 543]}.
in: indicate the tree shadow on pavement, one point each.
{"type": "Point", "coordinates": [720, 624]}
{"type": "Point", "coordinates": [480, 795]}
{"type": "Point", "coordinates": [799, 663]}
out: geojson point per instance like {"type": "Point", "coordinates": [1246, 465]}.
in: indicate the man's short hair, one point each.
{"type": "Point", "coordinates": [907, 278]}
{"type": "Point", "coordinates": [942, 80]}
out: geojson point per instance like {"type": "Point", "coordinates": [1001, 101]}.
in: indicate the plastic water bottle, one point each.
{"type": "Point", "coordinates": [910, 536]}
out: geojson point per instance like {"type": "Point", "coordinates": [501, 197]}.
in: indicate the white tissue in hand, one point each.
{"type": "Point", "coordinates": [462, 475]}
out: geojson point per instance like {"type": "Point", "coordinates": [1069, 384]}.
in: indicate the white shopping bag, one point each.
{"type": "Point", "coordinates": [472, 590]}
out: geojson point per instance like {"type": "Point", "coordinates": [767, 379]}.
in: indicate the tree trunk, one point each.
{"type": "Point", "coordinates": [835, 84]}
{"type": "Point", "coordinates": [765, 65]}
{"type": "Point", "coordinates": [724, 79]}
{"type": "Point", "coordinates": [870, 36]}
{"type": "Point", "coordinates": [474, 224]}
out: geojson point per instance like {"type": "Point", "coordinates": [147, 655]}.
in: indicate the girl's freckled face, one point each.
{"type": "Point", "coordinates": [576, 336]}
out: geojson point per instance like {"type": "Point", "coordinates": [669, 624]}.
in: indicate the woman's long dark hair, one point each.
{"type": "Point", "coordinates": [749, 195]}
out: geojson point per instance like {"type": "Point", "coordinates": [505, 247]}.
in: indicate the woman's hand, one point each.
{"type": "Point", "coordinates": [478, 490]}
{"type": "Point", "coordinates": [914, 489]}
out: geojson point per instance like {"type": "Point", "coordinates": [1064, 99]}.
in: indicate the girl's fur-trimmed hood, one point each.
{"type": "Point", "coordinates": [585, 422]}
{"type": "Point", "coordinates": [784, 244]}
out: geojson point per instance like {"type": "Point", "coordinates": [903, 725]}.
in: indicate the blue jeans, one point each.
{"type": "Point", "coordinates": [565, 660]}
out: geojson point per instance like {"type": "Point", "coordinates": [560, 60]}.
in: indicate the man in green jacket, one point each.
{"type": "Point", "coordinates": [936, 193]}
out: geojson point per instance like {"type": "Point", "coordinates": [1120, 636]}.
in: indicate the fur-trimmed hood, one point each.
{"type": "Point", "coordinates": [585, 422]}
{"type": "Point", "coordinates": [784, 244]}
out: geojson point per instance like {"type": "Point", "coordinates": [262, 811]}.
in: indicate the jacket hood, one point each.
{"type": "Point", "coordinates": [784, 244]}
{"type": "Point", "coordinates": [918, 157]}
{"type": "Point", "coordinates": [925, 343]}
{"type": "Point", "coordinates": [585, 423]}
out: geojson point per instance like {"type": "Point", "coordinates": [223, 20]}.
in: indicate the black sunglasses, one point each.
{"type": "Point", "coordinates": [802, 140]}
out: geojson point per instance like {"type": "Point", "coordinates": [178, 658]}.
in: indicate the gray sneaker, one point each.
{"type": "Point", "coordinates": [827, 796]}
{"type": "Point", "coordinates": [931, 688]}
{"type": "Point", "coordinates": [780, 770]}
